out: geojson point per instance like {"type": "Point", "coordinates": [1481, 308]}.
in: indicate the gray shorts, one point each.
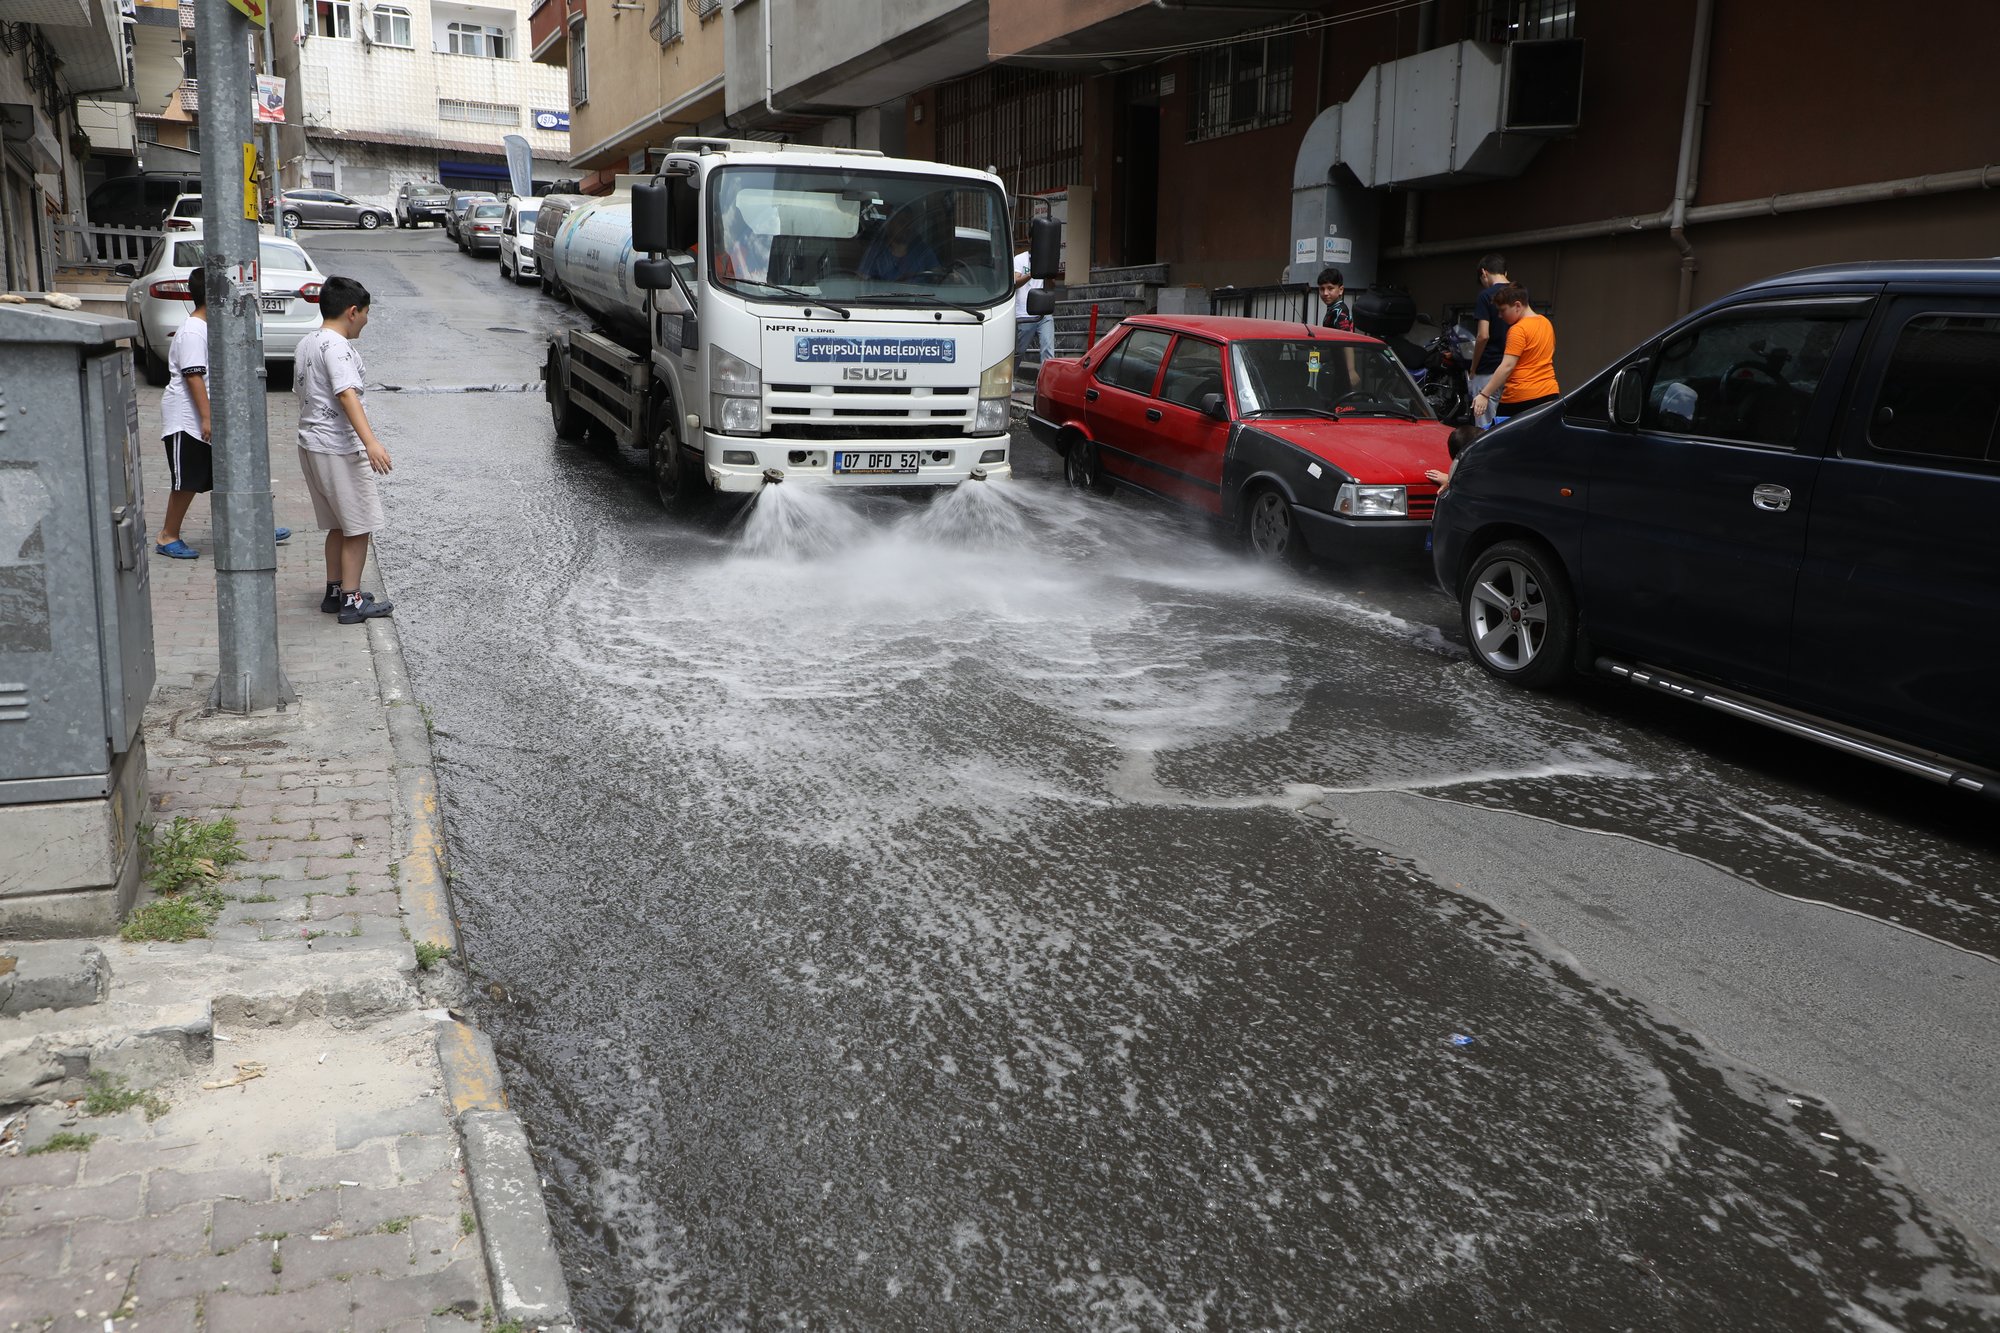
{"type": "Point", "coordinates": [345, 497]}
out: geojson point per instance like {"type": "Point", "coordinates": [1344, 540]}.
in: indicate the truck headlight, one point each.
{"type": "Point", "coordinates": [736, 416]}
{"type": "Point", "coordinates": [1357, 501]}
{"type": "Point", "coordinates": [735, 391]}
{"type": "Point", "coordinates": [996, 391]}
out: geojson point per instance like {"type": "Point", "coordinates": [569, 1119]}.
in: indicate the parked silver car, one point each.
{"type": "Point", "coordinates": [329, 208]}
{"type": "Point", "coordinates": [479, 230]}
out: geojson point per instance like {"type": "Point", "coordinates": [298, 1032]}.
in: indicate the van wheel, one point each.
{"type": "Point", "coordinates": [678, 478]}
{"type": "Point", "coordinates": [1083, 470]}
{"type": "Point", "coordinates": [1271, 529]}
{"type": "Point", "coordinates": [1519, 615]}
{"type": "Point", "coordinates": [569, 418]}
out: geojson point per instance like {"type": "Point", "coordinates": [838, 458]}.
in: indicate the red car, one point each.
{"type": "Point", "coordinates": [1306, 441]}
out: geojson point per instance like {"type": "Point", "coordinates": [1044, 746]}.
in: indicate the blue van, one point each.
{"type": "Point", "coordinates": [1786, 507]}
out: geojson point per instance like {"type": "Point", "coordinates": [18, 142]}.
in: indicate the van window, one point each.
{"type": "Point", "coordinates": [1940, 395]}
{"type": "Point", "coordinates": [1749, 378]}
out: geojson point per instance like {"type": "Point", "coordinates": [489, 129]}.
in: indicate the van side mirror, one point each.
{"type": "Point", "coordinates": [1628, 394]}
{"type": "Point", "coordinates": [1045, 248]}
{"type": "Point", "coordinates": [1215, 405]}
{"type": "Point", "coordinates": [651, 222]}
{"type": "Point", "coordinates": [1041, 302]}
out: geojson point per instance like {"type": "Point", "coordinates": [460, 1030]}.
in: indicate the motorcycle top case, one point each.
{"type": "Point", "coordinates": [1385, 312]}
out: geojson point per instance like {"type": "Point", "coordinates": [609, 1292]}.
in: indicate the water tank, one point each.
{"type": "Point", "coordinates": [593, 258]}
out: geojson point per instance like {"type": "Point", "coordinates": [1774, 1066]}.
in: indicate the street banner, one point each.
{"type": "Point", "coordinates": [520, 164]}
{"type": "Point", "coordinates": [269, 108]}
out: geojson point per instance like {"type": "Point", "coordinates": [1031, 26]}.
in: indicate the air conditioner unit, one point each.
{"type": "Point", "coordinates": [1542, 87]}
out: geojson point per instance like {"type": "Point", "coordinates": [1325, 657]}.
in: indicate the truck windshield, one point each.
{"type": "Point", "coordinates": [1318, 376]}
{"type": "Point", "coordinates": [858, 236]}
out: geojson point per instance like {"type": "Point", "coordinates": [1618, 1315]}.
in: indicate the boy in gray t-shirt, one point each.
{"type": "Point", "coordinates": [338, 451]}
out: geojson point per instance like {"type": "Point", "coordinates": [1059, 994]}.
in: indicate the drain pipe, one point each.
{"type": "Point", "coordinates": [1691, 121]}
{"type": "Point", "coordinates": [769, 89]}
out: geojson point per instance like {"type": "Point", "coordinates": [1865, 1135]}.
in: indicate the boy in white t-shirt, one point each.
{"type": "Point", "coordinates": [184, 423]}
{"type": "Point", "coordinates": [338, 451]}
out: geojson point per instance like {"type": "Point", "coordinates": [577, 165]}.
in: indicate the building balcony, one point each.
{"type": "Point", "coordinates": [548, 30]}
{"type": "Point", "coordinates": [89, 38]}
{"type": "Point", "coordinates": [1023, 29]}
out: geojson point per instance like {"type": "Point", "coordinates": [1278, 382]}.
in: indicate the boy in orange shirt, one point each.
{"type": "Point", "coordinates": [1526, 378]}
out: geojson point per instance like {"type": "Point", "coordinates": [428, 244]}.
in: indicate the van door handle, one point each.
{"type": "Point", "coordinates": [1090, 395]}
{"type": "Point", "coordinates": [1152, 414]}
{"type": "Point", "coordinates": [1776, 499]}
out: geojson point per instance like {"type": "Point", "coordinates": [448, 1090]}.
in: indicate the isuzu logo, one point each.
{"type": "Point", "coordinates": [873, 374]}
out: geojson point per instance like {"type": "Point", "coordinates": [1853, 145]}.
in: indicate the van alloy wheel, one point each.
{"type": "Point", "coordinates": [1519, 616]}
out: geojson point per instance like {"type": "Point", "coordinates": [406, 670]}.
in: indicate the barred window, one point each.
{"type": "Point", "coordinates": [579, 67]}
{"type": "Point", "coordinates": [1246, 86]}
{"type": "Point", "coordinates": [478, 113]}
{"type": "Point", "coordinates": [1522, 20]}
{"type": "Point", "coordinates": [666, 27]}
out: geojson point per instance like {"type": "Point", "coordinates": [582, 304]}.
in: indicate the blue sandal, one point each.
{"type": "Point", "coordinates": [281, 534]}
{"type": "Point", "coordinates": [178, 550]}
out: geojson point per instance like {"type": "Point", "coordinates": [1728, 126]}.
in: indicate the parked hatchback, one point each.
{"type": "Point", "coordinates": [479, 228]}
{"type": "Point", "coordinates": [329, 208]}
{"type": "Point", "coordinates": [1783, 507]}
{"type": "Point", "coordinates": [1304, 441]}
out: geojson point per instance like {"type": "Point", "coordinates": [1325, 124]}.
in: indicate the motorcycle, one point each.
{"type": "Point", "coordinates": [1446, 385]}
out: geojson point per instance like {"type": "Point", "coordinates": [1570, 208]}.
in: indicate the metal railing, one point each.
{"type": "Point", "coordinates": [1292, 302]}
{"type": "Point", "coordinates": [79, 243]}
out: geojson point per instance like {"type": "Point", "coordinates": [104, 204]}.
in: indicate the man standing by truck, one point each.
{"type": "Point", "coordinates": [1042, 328]}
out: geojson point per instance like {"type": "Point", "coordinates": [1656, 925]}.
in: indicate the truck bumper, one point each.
{"type": "Point", "coordinates": [739, 465]}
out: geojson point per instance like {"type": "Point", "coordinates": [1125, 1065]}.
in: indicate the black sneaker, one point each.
{"type": "Point", "coordinates": [361, 606]}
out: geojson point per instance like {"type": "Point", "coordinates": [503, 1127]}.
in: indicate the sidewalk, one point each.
{"type": "Point", "coordinates": [358, 1168]}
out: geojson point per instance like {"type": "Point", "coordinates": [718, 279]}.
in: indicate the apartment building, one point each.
{"type": "Point", "coordinates": [381, 93]}
{"type": "Point", "coordinates": [639, 74]}
{"type": "Point", "coordinates": [52, 53]}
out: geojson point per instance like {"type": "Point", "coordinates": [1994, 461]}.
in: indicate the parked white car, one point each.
{"type": "Point", "coordinates": [288, 285]}
{"type": "Point", "coordinates": [517, 239]}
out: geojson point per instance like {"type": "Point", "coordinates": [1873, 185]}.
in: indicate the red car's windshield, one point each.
{"type": "Point", "coordinates": [1314, 376]}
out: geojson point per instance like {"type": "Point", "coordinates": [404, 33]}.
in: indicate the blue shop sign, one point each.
{"type": "Point", "coordinates": [552, 120]}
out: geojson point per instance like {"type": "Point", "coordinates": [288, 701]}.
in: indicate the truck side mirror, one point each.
{"type": "Point", "coordinates": [1215, 405]}
{"type": "Point", "coordinates": [1045, 248]}
{"type": "Point", "coordinates": [1041, 302]}
{"type": "Point", "coordinates": [651, 219]}
{"type": "Point", "coordinates": [653, 275]}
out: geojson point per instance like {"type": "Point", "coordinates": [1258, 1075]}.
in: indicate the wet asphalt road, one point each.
{"type": "Point", "coordinates": [1020, 912]}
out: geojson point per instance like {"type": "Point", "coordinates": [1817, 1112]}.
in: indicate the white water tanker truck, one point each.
{"type": "Point", "coordinates": [776, 313]}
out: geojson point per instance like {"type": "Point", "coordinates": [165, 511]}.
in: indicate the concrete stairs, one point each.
{"type": "Point", "coordinates": [1116, 292]}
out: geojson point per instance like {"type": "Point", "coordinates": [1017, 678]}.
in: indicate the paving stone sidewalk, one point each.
{"type": "Point", "coordinates": [327, 1190]}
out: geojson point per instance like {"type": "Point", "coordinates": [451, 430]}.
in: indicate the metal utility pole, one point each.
{"type": "Point", "coordinates": [249, 677]}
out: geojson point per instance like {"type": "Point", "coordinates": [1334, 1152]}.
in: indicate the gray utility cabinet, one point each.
{"type": "Point", "coordinates": [76, 622]}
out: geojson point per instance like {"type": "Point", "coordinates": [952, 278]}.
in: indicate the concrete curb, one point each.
{"type": "Point", "coordinates": [514, 1226]}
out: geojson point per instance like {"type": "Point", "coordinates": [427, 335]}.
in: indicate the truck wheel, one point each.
{"type": "Point", "coordinates": [1519, 616]}
{"type": "Point", "coordinates": [569, 418]}
{"type": "Point", "coordinates": [678, 478]}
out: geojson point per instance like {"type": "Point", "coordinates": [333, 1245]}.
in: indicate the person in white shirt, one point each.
{"type": "Point", "coordinates": [184, 423]}
{"type": "Point", "coordinates": [338, 451]}
{"type": "Point", "coordinates": [1042, 328]}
